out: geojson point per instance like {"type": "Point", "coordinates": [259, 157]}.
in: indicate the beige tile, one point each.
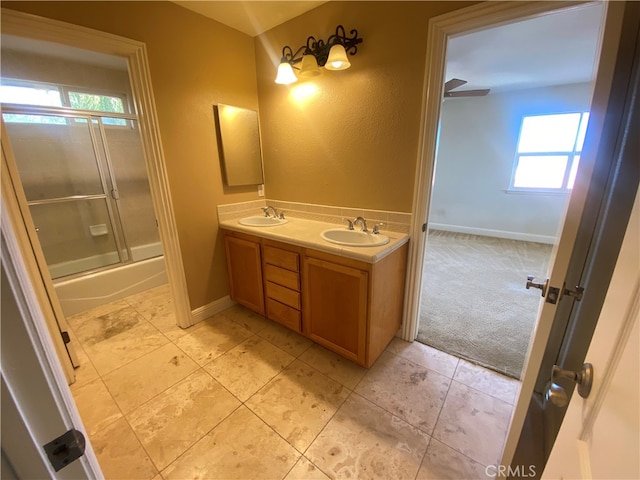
{"type": "Point", "coordinates": [444, 463]}
{"type": "Point", "coordinates": [473, 423]}
{"type": "Point", "coordinates": [298, 403]}
{"type": "Point", "coordinates": [487, 381]}
{"type": "Point", "coordinates": [425, 355]}
{"type": "Point", "coordinates": [120, 454]}
{"type": "Point", "coordinates": [125, 347]}
{"type": "Point", "coordinates": [334, 366]}
{"type": "Point", "coordinates": [170, 423]}
{"type": "Point", "coordinates": [245, 369]}
{"type": "Point", "coordinates": [246, 318]}
{"type": "Point", "coordinates": [211, 338]}
{"type": "Point", "coordinates": [144, 378]}
{"type": "Point", "coordinates": [98, 328]}
{"type": "Point", "coordinates": [285, 339]}
{"type": "Point", "coordinates": [410, 391]}
{"type": "Point", "coordinates": [241, 447]}
{"type": "Point", "coordinates": [305, 470]}
{"type": "Point", "coordinates": [86, 372]}
{"type": "Point", "coordinates": [96, 406]}
{"type": "Point", "coordinates": [79, 319]}
{"type": "Point", "coordinates": [161, 314]}
{"type": "Point", "coordinates": [364, 441]}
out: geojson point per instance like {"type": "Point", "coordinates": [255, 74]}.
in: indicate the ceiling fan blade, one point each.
{"type": "Point", "coordinates": [453, 83]}
{"type": "Point", "coordinates": [468, 93]}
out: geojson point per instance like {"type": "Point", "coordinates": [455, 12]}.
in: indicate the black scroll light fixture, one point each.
{"type": "Point", "coordinates": [331, 55]}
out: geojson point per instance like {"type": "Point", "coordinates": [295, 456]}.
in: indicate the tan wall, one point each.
{"type": "Point", "coordinates": [195, 63]}
{"type": "Point", "coordinates": [354, 141]}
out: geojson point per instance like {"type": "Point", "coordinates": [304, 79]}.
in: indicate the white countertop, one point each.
{"type": "Point", "coordinates": [306, 233]}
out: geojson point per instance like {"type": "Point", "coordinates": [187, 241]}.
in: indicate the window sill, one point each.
{"type": "Point", "coordinates": [537, 191]}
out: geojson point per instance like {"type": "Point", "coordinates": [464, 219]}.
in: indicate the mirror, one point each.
{"type": "Point", "coordinates": [239, 144]}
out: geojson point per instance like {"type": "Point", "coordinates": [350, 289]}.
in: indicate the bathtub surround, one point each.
{"type": "Point", "coordinates": [259, 401]}
{"type": "Point", "coordinates": [393, 221]}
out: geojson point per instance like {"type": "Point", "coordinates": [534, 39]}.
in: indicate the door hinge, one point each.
{"type": "Point", "coordinates": [424, 227]}
{"type": "Point", "coordinates": [65, 337]}
{"type": "Point", "coordinates": [65, 449]}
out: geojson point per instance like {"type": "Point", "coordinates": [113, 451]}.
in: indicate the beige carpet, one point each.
{"type": "Point", "coordinates": [474, 303]}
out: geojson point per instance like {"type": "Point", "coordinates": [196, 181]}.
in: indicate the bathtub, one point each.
{"type": "Point", "coordinates": [92, 290]}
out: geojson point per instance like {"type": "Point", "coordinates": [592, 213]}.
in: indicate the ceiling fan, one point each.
{"type": "Point", "coordinates": [455, 83]}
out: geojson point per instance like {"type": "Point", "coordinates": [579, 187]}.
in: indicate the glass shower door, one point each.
{"type": "Point", "coordinates": [58, 159]}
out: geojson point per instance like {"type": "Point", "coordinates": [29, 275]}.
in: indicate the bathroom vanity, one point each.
{"type": "Point", "coordinates": [347, 299]}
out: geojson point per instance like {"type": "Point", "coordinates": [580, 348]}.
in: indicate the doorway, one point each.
{"type": "Point", "coordinates": [500, 186]}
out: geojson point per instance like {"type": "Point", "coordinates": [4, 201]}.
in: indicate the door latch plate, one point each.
{"type": "Point", "coordinates": [65, 449]}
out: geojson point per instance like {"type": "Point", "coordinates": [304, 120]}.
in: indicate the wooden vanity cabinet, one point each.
{"type": "Point", "coordinates": [351, 307]}
{"type": "Point", "coordinates": [244, 270]}
{"type": "Point", "coordinates": [281, 267]}
{"type": "Point", "coordinates": [335, 309]}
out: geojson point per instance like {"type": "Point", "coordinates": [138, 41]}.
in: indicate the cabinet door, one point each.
{"type": "Point", "coordinates": [335, 307]}
{"type": "Point", "coordinates": [244, 269]}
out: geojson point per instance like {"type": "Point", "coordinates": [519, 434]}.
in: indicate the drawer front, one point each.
{"type": "Point", "coordinates": [282, 258]}
{"type": "Point", "coordinates": [283, 295]}
{"type": "Point", "coordinates": [283, 277]}
{"type": "Point", "coordinates": [287, 316]}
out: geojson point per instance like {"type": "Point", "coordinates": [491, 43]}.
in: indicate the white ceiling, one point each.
{"type": "Point", "coordinates": [554, 49]}
{"type": "Point", "coordinates": [252, 18]}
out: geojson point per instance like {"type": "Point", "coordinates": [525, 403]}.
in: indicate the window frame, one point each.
{"type": "Point", "coordinates": [65, 90]}
{"type": "Point", "coordinates": [570, 154]}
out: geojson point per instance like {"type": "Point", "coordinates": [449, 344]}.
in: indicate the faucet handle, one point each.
{"type": "Point", "coordinates": [350, 222]}
{"type": "Point", "coordinates": [281, 214]}
{"type": "Point", "coordinates": [265, 210]}
{"type": "Point", "coordinates": [376, 228]}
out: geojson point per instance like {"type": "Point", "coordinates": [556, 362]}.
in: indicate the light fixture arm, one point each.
{"type": "Point", "coordinates": [320, 48]}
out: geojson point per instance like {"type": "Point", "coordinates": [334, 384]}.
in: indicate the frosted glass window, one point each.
{"type": "Point", "coordinates": [548, 152]}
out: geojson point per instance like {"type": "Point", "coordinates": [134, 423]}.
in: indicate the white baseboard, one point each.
{"type": "Point", "coordinates": [209, 310]}
{"type": "Point", "coordinates": [525, 237]}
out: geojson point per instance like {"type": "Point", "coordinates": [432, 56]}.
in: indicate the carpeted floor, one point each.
{"type": "Point", "coordinates": [474, 303]}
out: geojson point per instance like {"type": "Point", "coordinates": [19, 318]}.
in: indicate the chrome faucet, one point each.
{"type": "Point", "coordinates": [361, 221]}
{"type": "Point", "coordinates": [266, 211]}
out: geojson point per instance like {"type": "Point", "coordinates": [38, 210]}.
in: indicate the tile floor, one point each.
{"type": "Point", "coordinates": [239, 397]}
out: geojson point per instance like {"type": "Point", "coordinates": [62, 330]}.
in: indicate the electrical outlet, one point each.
{"type": "Point", "coordinates": [261, 190]}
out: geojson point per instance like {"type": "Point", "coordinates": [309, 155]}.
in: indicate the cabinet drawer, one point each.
{"type": "Point", "coordinates": [287, 316]}
{"type": "Point", "coordinates": [282, 258]}
{"type": "Point", "coordinates": [283, 295]}
{"type": "Point", "coordinates": [283, 277]}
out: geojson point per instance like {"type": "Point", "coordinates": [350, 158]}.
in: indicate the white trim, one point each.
{"type": "Point", "coordinates": [31, 26]}
{"type": "Point", "coordinates": [47, 356]}
{"type": "Point", "coordinates": [487, 232]}
{"type": "Point", "coordinates": [210, 309]}
{"type": "Point", "coordinates": [475, 17]}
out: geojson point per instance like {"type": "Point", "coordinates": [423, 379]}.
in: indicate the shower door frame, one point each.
{"type": "Point", "coordinates": [48, 30]}
{"type": "Point", "coordinates": [105, 170]}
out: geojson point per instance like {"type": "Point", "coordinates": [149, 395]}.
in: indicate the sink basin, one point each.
{"type": "Point", "coordinates": [261, 221]}
{"type": "Point", "coordinates": [354, 238]}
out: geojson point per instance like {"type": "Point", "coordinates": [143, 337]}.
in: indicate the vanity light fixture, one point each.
{"type": "Point", "coordinates": [331, 55]}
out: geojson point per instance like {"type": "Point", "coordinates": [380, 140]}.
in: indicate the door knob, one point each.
{"type": "Point", "coordinates": [583, 378]}
{"type": "Point", "coordinates": [542, 286]}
